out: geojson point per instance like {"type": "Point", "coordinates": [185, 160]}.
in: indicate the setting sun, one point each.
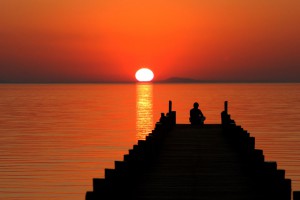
{"type": "Point", "coordinates": [144, 75]}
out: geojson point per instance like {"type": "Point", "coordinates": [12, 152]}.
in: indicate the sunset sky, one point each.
{"type": "Point", "coordinates": [109, 40]}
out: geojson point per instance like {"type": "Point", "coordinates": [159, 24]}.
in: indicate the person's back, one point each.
{"type": "Point", "coordinates": [196, 115]}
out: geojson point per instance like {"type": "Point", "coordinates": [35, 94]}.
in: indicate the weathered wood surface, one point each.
{"type": "Point", "coordinates": [196, 163]}
{"type": "Point", "coordinates": [184, 162]}
{"type": "Point", "coordinates": [199, 163]}
{"type": "Point", "coordinates": [205, 163]}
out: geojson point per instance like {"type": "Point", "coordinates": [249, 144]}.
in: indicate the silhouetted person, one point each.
{"type": "Point", "coordinates": [196, 115]}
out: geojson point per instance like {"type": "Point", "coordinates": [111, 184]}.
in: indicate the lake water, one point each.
{"type": "Point", "coordinates": [54, 139]}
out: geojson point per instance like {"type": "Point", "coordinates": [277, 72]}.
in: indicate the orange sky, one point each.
{"type": "Point", "coordinates": [97, 40]}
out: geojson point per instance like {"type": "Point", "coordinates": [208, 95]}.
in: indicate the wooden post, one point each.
{"type": "Point", "coordinates": [170, 106]}
{"type": "Point", "coordinates": [226, 107]}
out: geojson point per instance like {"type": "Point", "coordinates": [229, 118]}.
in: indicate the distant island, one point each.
{"type": "Point", "coordinates": [178, 80]}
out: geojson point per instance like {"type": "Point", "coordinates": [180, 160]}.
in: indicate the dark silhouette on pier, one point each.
{"type": "Point", "coordinates": [184, 162]}
{"type": "Point", "coordinates": [196, 115]}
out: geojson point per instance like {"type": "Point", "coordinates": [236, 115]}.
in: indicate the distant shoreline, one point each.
{"type": "Point", "coordinates": [173, 80]}
{"type": "Point", "coordinates": [158, 82]}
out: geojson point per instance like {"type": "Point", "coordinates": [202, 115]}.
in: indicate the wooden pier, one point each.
{"type": "Point", "coordinates": [180, 161]}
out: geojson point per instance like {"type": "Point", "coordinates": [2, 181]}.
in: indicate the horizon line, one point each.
{"type": "Point", "coordinates": [133, 82]}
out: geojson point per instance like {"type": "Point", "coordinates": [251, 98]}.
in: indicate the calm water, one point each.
{"type": "Point", "coordinates": [55, 138]}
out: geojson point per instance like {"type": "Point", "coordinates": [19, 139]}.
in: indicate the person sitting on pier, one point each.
{"type": "Point", "coordinates": [196, 115]}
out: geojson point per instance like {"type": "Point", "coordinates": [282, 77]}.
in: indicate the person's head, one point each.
{"type": "Point", "coordinates": [196, 105]}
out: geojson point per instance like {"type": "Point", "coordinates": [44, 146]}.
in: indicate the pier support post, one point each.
{"type": "Point", "coordinates": [226, 107]}
{"type": "Point", "coordinates": [225, 117]}
{"type": "Point", "coordinates": [170, 106]}
{"type": "Point", "coordinates": [171, 115]}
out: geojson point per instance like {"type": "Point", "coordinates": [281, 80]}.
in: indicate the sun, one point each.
{"type": "Point", "coordinates": [144, 75]}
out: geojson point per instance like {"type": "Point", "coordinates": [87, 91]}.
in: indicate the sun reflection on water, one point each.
{"type": "Point", "coordinates": [144, 110]}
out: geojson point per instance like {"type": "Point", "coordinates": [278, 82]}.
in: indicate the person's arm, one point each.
{"type": "Point", "coordinates": [201, 114]}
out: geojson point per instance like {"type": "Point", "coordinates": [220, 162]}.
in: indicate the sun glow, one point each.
{"type": "Point", "coordinates": [144, 75]}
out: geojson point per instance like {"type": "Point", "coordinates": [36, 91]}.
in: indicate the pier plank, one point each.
{"type": "Point", "coordinates": [196, 163]}
{"type": "Point", "coordinates": [185, 162]}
